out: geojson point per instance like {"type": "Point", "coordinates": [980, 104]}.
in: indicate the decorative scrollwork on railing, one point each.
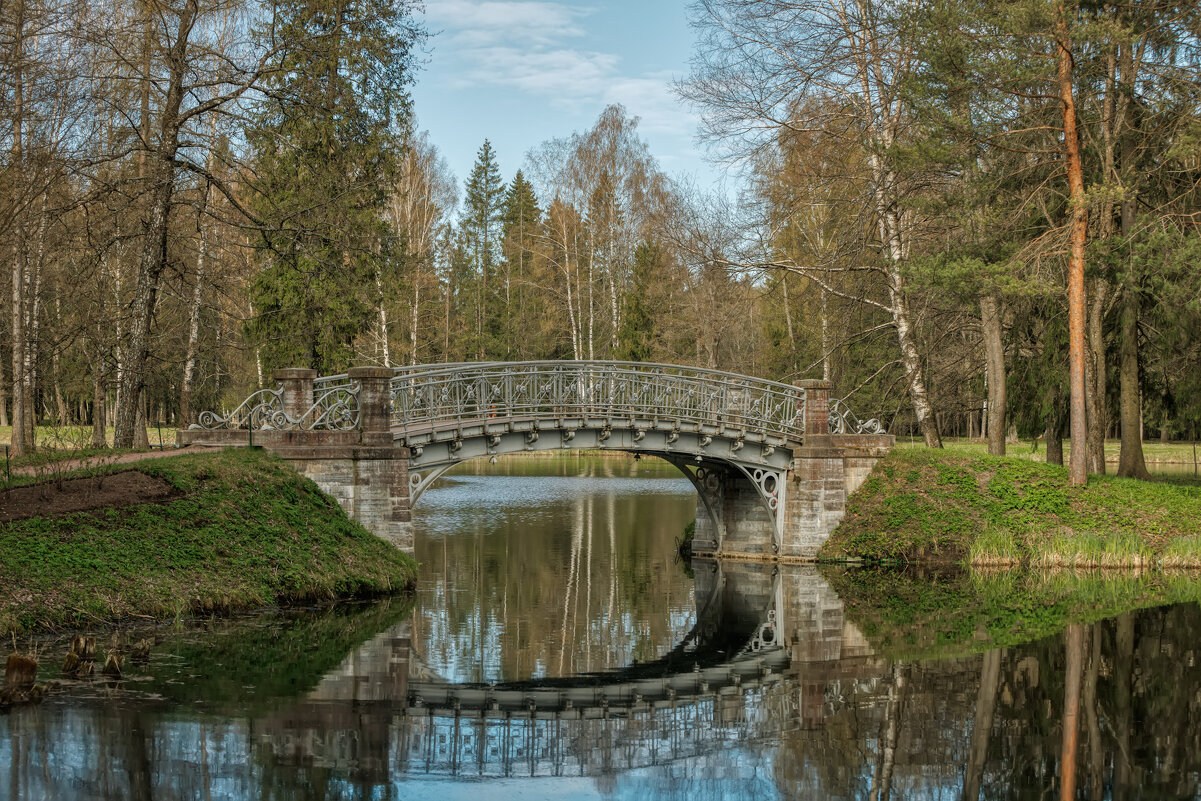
{"type": "Point", "coordinates": [452, 393]}
{"type": "Point", "coordinates": [335, 408]}
{"type": "Point", "coordinates": [844, 421]}
{"type": "Point", "coordinates": [255, 412]}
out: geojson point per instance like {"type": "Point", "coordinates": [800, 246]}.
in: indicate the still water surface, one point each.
{"type": "Point", "coordinates": [557, 649]}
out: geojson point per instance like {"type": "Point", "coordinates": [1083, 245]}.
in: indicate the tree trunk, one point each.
{"type": "Point", "coordinates": [154, 247]}
{"type": "Point", "coordinates": [19, 446]}
{"type": "Point", "coordinates": [99, 400]}
{"type": "Point", "coordinates": [1130, 461]}
{"type": "Point", "coordinates": [1054, 440]}
{"type": "Point", "coordinates": [1096, 372]}
{"type": "Point", "coordinates": [994, 358]}
{"type": "Point", "coordinates": [1122, 721]}
{"type": "Point", "coordinates": [1078, 471]}
{"type": "Point", "coordinates": [1092, 722]}
{"type": "Point", "coordinates": [881, 785]}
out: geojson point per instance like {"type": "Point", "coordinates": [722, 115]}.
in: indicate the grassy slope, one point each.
{"type": "Point", "coordinates": [953, 506]}
{"type": "Point", "coordinates": [248, 532]}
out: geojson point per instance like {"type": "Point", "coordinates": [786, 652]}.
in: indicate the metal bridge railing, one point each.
{"type": "Point", "coordinates": [428, 396]}
{"type": "Point", "coordinates": [441, 394]}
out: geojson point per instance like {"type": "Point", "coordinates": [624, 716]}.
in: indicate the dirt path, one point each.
{"type": "Point", "coordinates": [104, 459]}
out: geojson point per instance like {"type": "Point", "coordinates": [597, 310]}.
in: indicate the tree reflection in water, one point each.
{"type": "Point", "coordinates": [749, 681]}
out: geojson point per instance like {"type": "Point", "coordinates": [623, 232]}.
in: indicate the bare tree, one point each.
{"type": "Point", "coordinates": [768, 68]}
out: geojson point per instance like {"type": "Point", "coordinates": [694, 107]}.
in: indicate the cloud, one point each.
{"type": "Point", "coordinates": [527, 46]}
{"type": "Point", "coordinates": [481, 23]}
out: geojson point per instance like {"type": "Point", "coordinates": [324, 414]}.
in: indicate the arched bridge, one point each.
{"type": "Point", "coordinates": [736, 438]}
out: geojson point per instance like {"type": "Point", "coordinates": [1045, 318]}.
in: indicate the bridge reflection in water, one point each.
{"type": "Point", "coordinates": [768, 647]}
{"type": "Point", "coordinates": [812, 714]}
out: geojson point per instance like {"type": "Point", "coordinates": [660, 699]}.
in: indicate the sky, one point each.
{"type": "Point", "coordinates": [520, 72]}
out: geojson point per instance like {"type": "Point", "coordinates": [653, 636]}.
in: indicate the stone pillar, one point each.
{"type": "Point", "coordinates": [817, 407]}
{"type": "Point", "coordinates": [298, 390]}
{"type": "Point", "coordinates": [816, 497]}
{"type": "Point", "coordinates": [375, 403]}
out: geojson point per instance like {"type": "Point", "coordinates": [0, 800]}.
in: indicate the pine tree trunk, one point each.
{"type": "Point", "coordinates": [994, 358]}
{"type": "Point", "coordinates": [1096, 372]}
{"type": "Point", "coordinates": [1078, 470]}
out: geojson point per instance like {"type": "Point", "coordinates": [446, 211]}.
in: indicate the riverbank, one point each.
{"type": "Point", "coordinates": [224, 531]}
{"type": "Point", "coordinates": [956, 506]}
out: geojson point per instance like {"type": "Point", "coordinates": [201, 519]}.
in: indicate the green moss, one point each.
{"type": "Point", "coordinates": [249, 531]}
{"type": "Point", "coordinates": [927, 505]}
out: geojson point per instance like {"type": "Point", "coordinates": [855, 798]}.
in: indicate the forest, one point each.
{"type": "Point", "coordinates": [977, 218]}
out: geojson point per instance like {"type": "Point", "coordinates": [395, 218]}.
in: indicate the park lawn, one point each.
{"type": "Point", "coordinates": [1154, 452]}
{"type": "Point", "coordinates": [955, 506]}
{"type": "Point", "coordinates": [244, 531]}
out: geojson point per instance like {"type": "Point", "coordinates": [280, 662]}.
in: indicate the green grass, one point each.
{"type": "Point", "coordinates": [247, 531]}
{"type": "Point", "coordinates": [922, 505]}
{"type": "Point", "coordinates": [918, 614]}
{"type": "Point", "coordinates": [81, 436]}
{"type": "Point", "coordinates": [1155, 452]}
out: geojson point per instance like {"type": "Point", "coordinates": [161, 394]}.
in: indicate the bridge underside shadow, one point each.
{"type": "Point", "coordinates": [740, 477]}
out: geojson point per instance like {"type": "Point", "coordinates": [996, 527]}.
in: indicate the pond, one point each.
{"type": "Point", "coordinates": [557, 648]}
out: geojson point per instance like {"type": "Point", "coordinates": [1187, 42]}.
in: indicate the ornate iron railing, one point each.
{"type": "Point", "coordinates": [442, 394]}
{"type": "Point", "coordinates": [844, 421]}
{"type": "Point", "coordinates": [255, 412]}
{"type": "Point", "coordinates": [426, 396]}
{"type": "Point", "coordinates": [335, 408]}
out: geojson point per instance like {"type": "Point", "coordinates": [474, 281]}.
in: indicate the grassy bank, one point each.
{"type": "Point", "coordinates": [922, 505]}
{"type": "Point", "coordinates": [243, 531]}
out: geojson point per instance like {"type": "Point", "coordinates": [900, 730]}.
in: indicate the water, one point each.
{"type": "Point", "coordinates": [556, 649]}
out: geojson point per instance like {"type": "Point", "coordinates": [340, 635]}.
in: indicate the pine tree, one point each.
{"type": "Point", "coordinates": [483, 210]}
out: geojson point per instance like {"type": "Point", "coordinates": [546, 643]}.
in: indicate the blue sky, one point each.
{"type": "Point", "coordinates": [519, 72]}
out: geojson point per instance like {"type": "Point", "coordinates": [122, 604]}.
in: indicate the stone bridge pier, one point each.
{"type": "Point", "coordinates": [733, 518]}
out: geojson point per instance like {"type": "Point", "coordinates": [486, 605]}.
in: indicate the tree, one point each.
{"type": "Point", "coordinates": [327, 139]}
{"type": "Point", "coordinates": [483, 215]}
{"type": "Point", "coordinates": [637, 330]}
{"type": "Point", "coordinates": [767, 68]}
{"type": "Point", "coordinates": [521, 233]}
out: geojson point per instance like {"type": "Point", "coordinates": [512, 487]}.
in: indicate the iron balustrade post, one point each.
{"type": "Point", "coordinates": [297, 385]}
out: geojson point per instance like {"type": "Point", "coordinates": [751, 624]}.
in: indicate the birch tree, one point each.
{"type": "Point", "coordinates": [764, 68]}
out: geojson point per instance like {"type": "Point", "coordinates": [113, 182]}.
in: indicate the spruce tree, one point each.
{"type": "Point", "coordinates": [521, 219]}
{"type": "Point", "coordinates": [483, 209]}
{"type": "Point", "coordinates": [637, 330]}
{"type": "Point", "coordinates": [326, 140]}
